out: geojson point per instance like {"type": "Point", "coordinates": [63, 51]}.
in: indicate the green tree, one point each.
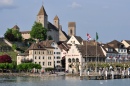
{"type": "Point", "coordinates": [17, 35]}
{"type": "Point", "coordinates": [13, 35]}
{"type": "Point", "coordinates": [38, 31]}
{"type": "Point", "coordinates": [14, 46]}
{"type": "Point", "coordinates": [28, 66]}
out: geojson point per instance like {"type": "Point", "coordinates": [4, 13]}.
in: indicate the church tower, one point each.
{"type": "Point", "coordinates": [42, 17]}
{"type": "Point", "coordinates": [56, 22]}
{"type": "Point", "coordinates": [72, 29]}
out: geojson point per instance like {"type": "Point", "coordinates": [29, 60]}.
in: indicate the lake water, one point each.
{"type": "Point", "coordinates": [60, 81]}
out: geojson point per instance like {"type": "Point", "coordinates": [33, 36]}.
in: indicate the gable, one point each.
{"type": "Point", "coordinates": [73, 51]}
{"type": "Point", "coordinates": [126, 43]}
{"type": "Point", "coordinates": [73, 40]}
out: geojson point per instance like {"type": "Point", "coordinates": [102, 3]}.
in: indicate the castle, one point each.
{"type": "Point", "coordinates": [55, 29]}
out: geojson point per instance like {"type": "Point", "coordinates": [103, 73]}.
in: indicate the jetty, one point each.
{"type": "Point", "coordinates": [105, 76]}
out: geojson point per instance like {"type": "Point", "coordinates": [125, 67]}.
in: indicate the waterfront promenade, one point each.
{"type": "Point", "coordinates": [32, 74]}
{"type": "Point", "coordinates": [86, 76]}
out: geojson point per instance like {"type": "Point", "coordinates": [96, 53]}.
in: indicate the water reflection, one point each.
{"type": "Point", "coordinates": [60, 81]}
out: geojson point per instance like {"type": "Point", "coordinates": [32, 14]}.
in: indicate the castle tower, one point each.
{"type": "Point", "coordinates": [72, 28]}
{"type": "Point", "coordinates": [42, 17]}
{"type": "Point", "coordinates": [56, 22]}
{"type": "Point", "coordinates": [16, 28]}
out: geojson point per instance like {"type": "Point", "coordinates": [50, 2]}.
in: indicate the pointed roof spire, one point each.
{"type": "Point", "coordinates": [42, 11]}
{"type": "Point", "coordinates": [56, 18]}
{"type": "Point", "coordinates": [16, 27]}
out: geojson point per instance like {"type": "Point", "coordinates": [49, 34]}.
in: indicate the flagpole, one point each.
{"type": "Point", "coordinates": [86, 53]}
{"type": "Point", "coordinates": [96, 51]}
{"type": "Point", "coordinates": [89, 37]}
{"type": "Point", "coordinates": [96, 57]}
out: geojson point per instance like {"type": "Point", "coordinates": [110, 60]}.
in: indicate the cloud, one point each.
{"type": "Point", "coordinates": [75, 5]}
{"type": "Point", "coordinates": [6, 4]}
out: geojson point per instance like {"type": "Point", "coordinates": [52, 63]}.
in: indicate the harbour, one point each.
{"type": "Point", "coordinates": [61, 81]}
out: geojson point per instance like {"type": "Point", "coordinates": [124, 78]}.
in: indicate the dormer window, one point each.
{"type": "Point", "coordinates": [110, 50]}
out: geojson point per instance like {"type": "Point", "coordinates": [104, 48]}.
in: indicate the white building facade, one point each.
{"type": "Point", "coordinates": [74, 59]}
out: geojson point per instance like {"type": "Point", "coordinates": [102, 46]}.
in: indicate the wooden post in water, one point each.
{"type": "Point", "coordinates": [112, 75]}
{"type": "Point", "coordinates": [105, 74]}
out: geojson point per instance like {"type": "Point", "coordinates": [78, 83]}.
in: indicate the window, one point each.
{"type": "Point", "coordinates": [43, 52]}
{"type": "Point", "coordinates": [77, 60]}
{"type": "Point", "coordinates": [73, 42]}
{"type": "Point", "coordinates": [49, 57]}
{"type": "Point", "coordinates": [39, 57]}
{"type": "Point", "coordinates": [58, 57]}
{"type": "Point", "coordinates": [73, 60]}
{"type": "Point", "coordinates": [58, 61]}
{"type": "Point", "coordinates": [43, 63]}
{"type": "Point", "coordinates": [35, 57]}
{"type": "Point", "coordinates": [71, 32]}
{"type": "Point", "coordinates": [69, 60]}
{"type": "Point", "coordinates": [54, 52]}
{"type": "Point", "coordinates": [124, 50]}
{"type": "Point", "coordinates": [35, 62]}
{"type": "Point", "coordinates": [110, 50]}
{"type": "Point", "coordinates": [56, 48]}
{"type": "Point", "coordinates": [35, 52]}
{"type": "Point", "coordinates": [121, 50]}
{"type": "Point", "coordinates": [43, 57]}
{"type": "Point", "coordinates": [49, 63]}
{"type": "Point", "coordinates": [39, 52]}
{"type": "Point", "coordinates": [39, 62]}
{"type": "Point", "coordinates": [48, 52]}
{"type": "Point", "coordinates": [58, 52]}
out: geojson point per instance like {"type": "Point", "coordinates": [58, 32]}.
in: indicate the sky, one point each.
{"type": "Point", "coordinates": [109, 18]}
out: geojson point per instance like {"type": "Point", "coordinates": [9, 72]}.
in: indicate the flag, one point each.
{"type": "Point", "coordinates": [97, 36]}
{"type": "Point", "coordinates": [89, 37]}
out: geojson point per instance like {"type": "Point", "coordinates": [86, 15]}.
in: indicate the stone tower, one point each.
{"type": "Point", "coordinates": [16, 28]}
{"type": "Point", "coordinates": [42, 17]}
{"type": "Point", "coordinates": [72, 28]}
{"type": "Point", "coordinates": [56, 22]}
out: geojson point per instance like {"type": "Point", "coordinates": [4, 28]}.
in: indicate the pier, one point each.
{"type": "Point", "coordinates": [105, 76]}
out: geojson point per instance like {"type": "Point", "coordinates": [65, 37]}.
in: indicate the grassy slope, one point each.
{"type": "Point", "coordinates": [11, 54]}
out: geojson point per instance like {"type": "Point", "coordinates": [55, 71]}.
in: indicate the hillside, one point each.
{"type": "Point", "coordinates": [6, 49]}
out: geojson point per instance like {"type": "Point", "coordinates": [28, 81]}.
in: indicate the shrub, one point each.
{"type": "Point", "coordinates": [49, 69]}
{"type": "Point", "coordinates": [5, 59]}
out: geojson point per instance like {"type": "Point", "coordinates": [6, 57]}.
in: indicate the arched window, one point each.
{"type": "Point", "coordinates": [69, 60]}
{"type": "Point", "coordinates": [77, 59]}
{"type": "Point", "coordinates": [71, 31]}
{"type": "Point", "coordinates": [73, 60]}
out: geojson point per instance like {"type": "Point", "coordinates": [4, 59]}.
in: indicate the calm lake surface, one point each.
{"type": "Point", "coordinates": [60, 81]}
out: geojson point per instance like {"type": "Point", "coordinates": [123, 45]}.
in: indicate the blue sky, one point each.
{"type": "Point", "coordinates": [110, 18]}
